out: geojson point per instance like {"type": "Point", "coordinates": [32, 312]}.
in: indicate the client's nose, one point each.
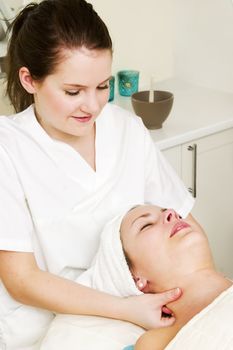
{"type": "Point", "coordinates": [170, 215]}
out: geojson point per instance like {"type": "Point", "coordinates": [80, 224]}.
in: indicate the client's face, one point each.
{"type": "Point", "coordinates": [162, 246]}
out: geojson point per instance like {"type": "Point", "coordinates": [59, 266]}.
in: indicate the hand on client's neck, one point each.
{"type": "Point", "coordinates": [199, 289]}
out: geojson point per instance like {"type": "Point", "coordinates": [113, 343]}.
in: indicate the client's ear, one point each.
{"type": "Point", "coordinates": [142, 284]}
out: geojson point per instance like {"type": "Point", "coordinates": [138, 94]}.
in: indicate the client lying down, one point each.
{"type": "Point", "coordinates": [162, 251]}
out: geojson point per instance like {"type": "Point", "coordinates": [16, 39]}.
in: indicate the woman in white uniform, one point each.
{"type": "Point", "coordinates": [69, 161]}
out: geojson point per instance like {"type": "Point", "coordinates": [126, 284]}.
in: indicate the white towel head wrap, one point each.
{"type": "Point", "coordinates": [110, 272]}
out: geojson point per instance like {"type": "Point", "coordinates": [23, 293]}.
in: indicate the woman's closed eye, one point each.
{"type": "Point", "coordinates": [72, 92]}
{"type": "Point", "coordinates": [76, 92]}
{"type": "Point", "coordinates": [103, 87]}
{"type": "Point", "coordinates": [145, 226]}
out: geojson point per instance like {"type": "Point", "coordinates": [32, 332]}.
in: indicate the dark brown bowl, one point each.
{"type": "Point", "coordinates": [154, 113]}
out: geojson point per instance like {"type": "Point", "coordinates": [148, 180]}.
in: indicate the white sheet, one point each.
{"type": "Point", "coordinates": [211, 329]}
{"type": "Point", "coordinates": [89, 333]}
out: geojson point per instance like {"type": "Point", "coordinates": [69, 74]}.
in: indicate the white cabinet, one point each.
{"type": "Point", "coordinates": [213, 179]}
{"type": "Point", "coordinates": [173, 155]}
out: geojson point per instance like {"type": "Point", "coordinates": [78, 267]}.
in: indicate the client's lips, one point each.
{"type": "Point", "coordinates": [179, 226]}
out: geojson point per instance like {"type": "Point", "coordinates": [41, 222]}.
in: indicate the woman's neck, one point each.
{"type": "Point", "coordinates": [199, 290]}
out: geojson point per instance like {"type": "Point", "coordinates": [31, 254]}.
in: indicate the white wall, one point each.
{"type": "Point", "coordinates": [203, 42]}
{"type": "Point", "coordinates": [17, 3]}
{"type": "Point", "coordinates": [141, 33]}
{"type": "Point", "coordinates": [190, 39]}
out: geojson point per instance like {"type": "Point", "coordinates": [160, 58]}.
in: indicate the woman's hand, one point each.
{"type": "Point", "coordinates": [147, 310]}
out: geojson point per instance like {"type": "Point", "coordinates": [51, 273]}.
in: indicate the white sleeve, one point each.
{"type": "Point", "coordinates": [15, 221]}
{"type": "Point", "coordinates": [163, 187]}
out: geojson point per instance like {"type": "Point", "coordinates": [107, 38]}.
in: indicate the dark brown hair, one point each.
{"type": "Point", "coordinates": [40, 32]}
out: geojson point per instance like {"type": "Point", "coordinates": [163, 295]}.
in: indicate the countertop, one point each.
{"type": "Point", "coordinates": [197, 112]}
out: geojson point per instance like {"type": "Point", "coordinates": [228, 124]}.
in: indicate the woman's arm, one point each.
{"type": "Point", "coordinates": [29, 285]}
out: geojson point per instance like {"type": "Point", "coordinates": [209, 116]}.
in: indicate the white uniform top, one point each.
{"type": "Point", "coordinates": [55, 205]}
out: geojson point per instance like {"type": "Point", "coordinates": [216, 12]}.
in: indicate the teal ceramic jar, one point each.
{"type": "Point", "coordinates": [128, 82]}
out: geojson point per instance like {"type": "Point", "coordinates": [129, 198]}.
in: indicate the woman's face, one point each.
{"type": "Point", "coordinates": [68, 101]}
{"type": "Point", "coordinates": [162, 246]}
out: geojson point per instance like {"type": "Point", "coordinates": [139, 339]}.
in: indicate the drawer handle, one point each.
{"type": "Point", "coordinates": [193, 189]}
